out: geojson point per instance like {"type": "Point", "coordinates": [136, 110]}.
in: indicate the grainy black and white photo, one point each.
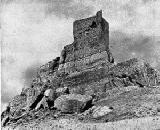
{"type": "Point", "coordinates": [80, 64]}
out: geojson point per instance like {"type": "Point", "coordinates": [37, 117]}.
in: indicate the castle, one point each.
{"type": "Point", "coordinates": [91, 43]}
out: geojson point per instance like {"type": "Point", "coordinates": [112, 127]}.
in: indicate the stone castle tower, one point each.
{"type": "Point", "coordinates": [90, 33]}
{"type": "Point", "coordinates": [91, 43]}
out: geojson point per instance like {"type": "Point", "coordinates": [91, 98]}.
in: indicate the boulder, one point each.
{"type": "Point", "coordinates": [73, 103]}
{"type": "Point", "coordinates": [50, 94]}
{"type": "Point", "coordinates": [101, 111]}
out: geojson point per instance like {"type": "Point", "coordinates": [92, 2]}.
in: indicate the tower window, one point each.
{"type": "Point", "coordinates": [94, 25]}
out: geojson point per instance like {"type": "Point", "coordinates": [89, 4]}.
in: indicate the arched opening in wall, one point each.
{"type": "Point", "coordinates": [93, 25]}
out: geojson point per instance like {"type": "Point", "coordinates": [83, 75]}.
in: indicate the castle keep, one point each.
{"type": "Point", "coordinates": [91, 44]}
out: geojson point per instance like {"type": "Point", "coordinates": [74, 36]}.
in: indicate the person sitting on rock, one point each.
{"type": "Point", "coordinates": [47, 101]}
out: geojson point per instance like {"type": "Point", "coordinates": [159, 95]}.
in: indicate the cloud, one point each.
{"type": "Point", "coordinates": [4, 106]}
{"type": "Point", "coordinates": [30, 38]}
{"type": "Point", "coordinates": [130, 16]}
{"type": "Point", "coordinates": [125, 46]}
{"type": "Point", "coordinates": [134, 28]}
{"type": "Point", "coordinates": [69, 8]}
{"type": "Point", "coordinates": [61, 8]}
{"type": "Point", "coordinates": [29, 73]}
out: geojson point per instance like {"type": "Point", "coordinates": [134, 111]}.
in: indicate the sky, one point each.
{"type": "Point", "coordinates": [35, 31]}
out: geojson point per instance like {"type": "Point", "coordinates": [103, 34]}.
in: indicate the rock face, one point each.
{"type": "Point", "coordinates": [85, 67]}
{"type": "Point", "coordinates": [135, 71]}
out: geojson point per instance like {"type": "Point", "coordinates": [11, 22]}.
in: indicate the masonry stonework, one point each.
{"type": "Point", "coordinates": [91, 37]}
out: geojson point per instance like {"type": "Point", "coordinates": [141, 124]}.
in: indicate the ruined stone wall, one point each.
{"type": "Point", "coordinates": [94, 61]}
{"type": "Point", "coordinates": [91, 35]}
{"type": "Point", "coordinates": [91, 45]}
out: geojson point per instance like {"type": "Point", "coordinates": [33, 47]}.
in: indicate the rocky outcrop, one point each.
{"type": "Point", "coordinates": [103, 78]}
{"type": "Point", "coordinates": [135, 71]}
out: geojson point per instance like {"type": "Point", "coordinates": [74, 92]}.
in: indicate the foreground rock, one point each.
{"type": "Point", "coordinates": [73, 103]}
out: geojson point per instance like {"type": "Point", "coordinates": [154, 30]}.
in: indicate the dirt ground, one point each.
{"type": "Point", "coordinates": [146, 123]}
